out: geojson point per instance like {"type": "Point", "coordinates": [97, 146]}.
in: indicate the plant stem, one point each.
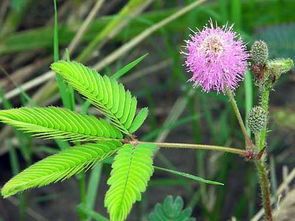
{"type": "Point", "coordinates": [264, 104]}
{"type": "Point", "coordinates": [260, 140]}
{"type": "Point", "coordinates": [233, 102]}
{"type": "Point", "coordinates": [265, 188]}
{"type": "Point", "coordinates": [198, 147]}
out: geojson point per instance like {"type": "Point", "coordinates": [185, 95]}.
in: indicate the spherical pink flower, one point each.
{"type": "Point", "coordinates": [216, 56]}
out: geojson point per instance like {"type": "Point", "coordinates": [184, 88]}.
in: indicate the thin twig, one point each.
{"type": "Point", "coordinates": [198, 147]}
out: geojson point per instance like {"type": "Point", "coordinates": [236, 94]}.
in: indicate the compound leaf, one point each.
{"type": "Point", "coordinates": [105, 93]}
{"type": "Point", "coordinates": [58, 123]}
{"type": "Point", "coordinates": [60, 166]}
{"type": "Point", "coordinates": [132, 169]}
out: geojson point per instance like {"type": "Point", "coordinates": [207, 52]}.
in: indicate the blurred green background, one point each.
{"type": "Point", "coordinates": [108, 35]}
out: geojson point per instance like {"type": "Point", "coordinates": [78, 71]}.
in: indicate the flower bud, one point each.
{"type": "Point", "coordinates": [280, 66]}
{"type": "Point", "coordinates": [257, 119]}
{"type": "Point", "coordinates": [277, 67]}
{"type": "Point", "coordinates": [259, 52]}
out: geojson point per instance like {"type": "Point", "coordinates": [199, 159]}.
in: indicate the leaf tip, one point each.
{"type": "Point", "coordinates": [6, 191]}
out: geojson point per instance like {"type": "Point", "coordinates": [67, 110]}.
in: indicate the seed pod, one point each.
{"type": "Point", "coordinates": [259, 53]}
{"type": "Point", "coordinates": [257, 119]}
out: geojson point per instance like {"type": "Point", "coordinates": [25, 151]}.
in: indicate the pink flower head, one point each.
{"type": "Point", "coordinates": [216, 56]}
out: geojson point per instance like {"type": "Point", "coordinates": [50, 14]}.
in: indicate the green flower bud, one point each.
{"type": "Point", "coordinates": [280, 66]}
{"type": "Point", "coordinates": [257, 119]}
{"type": "Point", "coordinates": [259, 52]}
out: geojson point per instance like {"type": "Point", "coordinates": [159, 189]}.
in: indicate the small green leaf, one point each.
{"type": "Point", "coordinates": [171, 210]}
{"type": "Point", "coordinates": [193, 177]}
{"type": "Point", "coordinates": [139, 119]}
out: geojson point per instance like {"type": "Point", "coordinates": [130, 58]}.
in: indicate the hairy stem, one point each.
{"type": "Point", "coordinates": [233, 102]}
{"type": "Point", "coordinates": [264, 104]}
{"type": "Point", "coordinates": [265, 188]}
{"type": "Point", "coordinates": [198, 147]}
{"type": "Point", "coordinates": [261, 166]}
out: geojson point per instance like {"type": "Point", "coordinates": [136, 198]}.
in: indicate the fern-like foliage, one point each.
{"type": "Point", "coordinates": [58, 123]}
{"type": "Point", "coordinates": [171, 210]}
{"type": "Point", "coordinates": [105, 93]}
{"type": "Point", "coordinates": [132, 169]}
{"type": "Point", "coordinates": [60, 166]}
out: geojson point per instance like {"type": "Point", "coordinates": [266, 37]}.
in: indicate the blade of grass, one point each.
{"type": "Point", "coordinates": [223, 10]}
{"type": "Point", "coordinates": [92, 214]}
{"type": "Point", "coordinates": [92, 189]}
{"type": "Point", "coordinates": [139, 38]}
{"type": "Point", "coordinates": [84, 27]}
{"type": "Point", "coordinates": [22, 92]}
{"type": "Point", "coordinates": [14, 163]}
{"type": "Point", "coordinates": [199, 155]}
{"type": "Point", "coordinates": [23, 139]}
{"type": "Point", "coordinates": [236, 13]}
{"type": "Point", "coordinates": [15, 167]}
{"type": "Point", "coordinates": [63, 90]}
{"type": "Point", "coordinates": [127, 67]}
{"type": "Point", "coordinates": [14, 18]}
{"type": "Point", "coordinates": [128, 12]}
{"type": "Point", "coordinates": [22, 41]}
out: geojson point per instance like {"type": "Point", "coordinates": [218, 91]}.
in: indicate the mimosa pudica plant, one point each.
{"type": "Point", "coordinates": [217, 58]}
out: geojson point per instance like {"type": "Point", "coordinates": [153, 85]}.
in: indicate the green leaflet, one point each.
{"type": "Point", "coordinates": [58, 123]}
{"type": "Point", "coordinates": [139, 119]}
{"type": "Point", "coordinates": [60, 166]}
{"type": "Point", "coordinates": [132, 169]}
{"type": "Point", "coordinates": [105, 93]}
{"type": "Point", "coordinates": [171, 210]}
